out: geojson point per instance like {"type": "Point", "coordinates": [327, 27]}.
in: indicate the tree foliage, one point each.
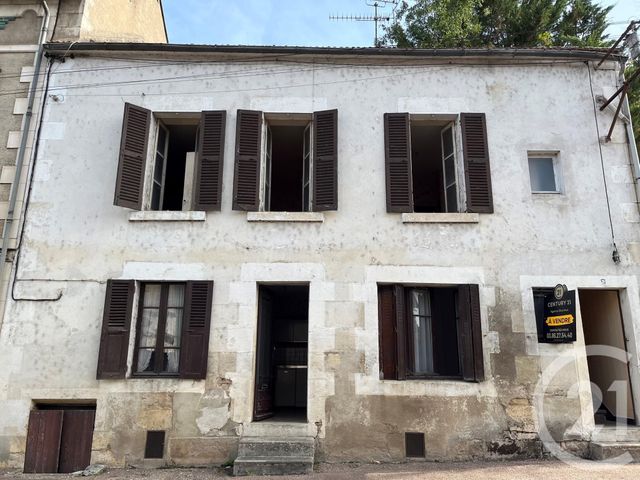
{"type": "Point", "coordinates": [634, 101]}
{"type": "Point", "coordinates": [498, 23]}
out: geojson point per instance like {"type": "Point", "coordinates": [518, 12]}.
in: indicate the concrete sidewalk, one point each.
{"type": "Point", "coordinates": [507, 470]}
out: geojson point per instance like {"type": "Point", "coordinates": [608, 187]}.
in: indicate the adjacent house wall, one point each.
{"type": "Point", "coordinates": [76, 239]}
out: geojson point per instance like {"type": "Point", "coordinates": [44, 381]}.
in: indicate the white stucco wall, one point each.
{"type": "Point", "coordinates": [75, 239]}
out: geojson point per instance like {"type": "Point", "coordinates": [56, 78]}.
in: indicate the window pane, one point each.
{"type": "Point", "coordinates": [155, 197]}
{"type": "Point", "coordinates": [541, 174]}
{"type": "Point", "coordinates": [449, 171]}
{"type": "Point", "coordinates": [148, 327]}
{"type": "Point", "coordinates": [447, 142]}
{"type": "Point", "coordinates": [162, 137]}
{"type": "Point", "coordinates": [158, 167]}
{"type": "Point", "coordinates": [452, 199]}
{"type": "Point", "coordinates": [174, 327]}
{"type": "Point", "coordinates": [145, 360]}
{"type": "Point", "coordinates": [152, 295]}
{"type": "Point", "coordinates": [422, 337]}
{"type": "Point", "coordinates": [176, 296]}
{"type": "Point", "coordinates": [171, 361]}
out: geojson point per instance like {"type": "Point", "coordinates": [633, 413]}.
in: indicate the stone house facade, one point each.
{"type": "Point", "coordinates": [345, 245]}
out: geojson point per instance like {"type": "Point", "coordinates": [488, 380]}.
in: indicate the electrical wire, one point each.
{"type": "Point", "coordinates": [258, 73]}
{"type": "Point", "coordinates": [604, 177]}
{"type": "Point", "coordinates": [28, 200]}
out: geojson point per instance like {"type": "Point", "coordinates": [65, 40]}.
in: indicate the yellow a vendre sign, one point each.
{"type": "Point", "coordinates": [560, 316]}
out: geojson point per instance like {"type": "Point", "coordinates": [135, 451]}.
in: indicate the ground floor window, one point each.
{"type": "Point", "coordinates": [430, 332]}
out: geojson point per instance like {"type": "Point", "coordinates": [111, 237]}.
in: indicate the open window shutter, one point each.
{"type": "Point", "coordinates": [43, 441]}
{"type": "Point", "coordinates": [116, 326]}
{"type": "Point", "coordinates": [401, 335]}
{"type": "Point", "coordinates": [133, 156]}
{"type": "Point", "coordinates": [194, 348]}
{"type": "Point", "coordinates": [246, 182]}
{"type": "Point", "coordinates": [470, 333]}
{"type": "Point", "coordinates": [397, 147]}
{"type": "Point", "coordinates": [210, 160]}
{"type": "Point", "coordinates": [325, 160]}
{"type": "Point", "coordinates": [476, 163]}
{"type": "Point", "coordinates": [387, 334]}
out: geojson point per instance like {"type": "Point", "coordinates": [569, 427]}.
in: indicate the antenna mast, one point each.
{"type": "Point", "coordinates": [370, 18]}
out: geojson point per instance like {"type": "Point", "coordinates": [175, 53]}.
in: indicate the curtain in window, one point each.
{"type": "Point", "coordinates": [422, 336]}
{"type": "Point", "coordinates": [175, 307]}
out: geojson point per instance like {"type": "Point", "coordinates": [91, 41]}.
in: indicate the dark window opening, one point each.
{"type": "Point", "coordinates": [414, 444]}
{"type": "Point", "coordinates": [154, 447]}
{"type": "Point", "coordinates": [160, 320]}
{"type": "Point", "coordinates": [287, 172]}
{"type": "Point", "coordinates": [172, 186]}
{"type": "Point", "coordinates": [432, 333]}
{"type": "Point", "coordinates": [433, 168]}
{"type": "Point", "coordinates": [281, 383]}
{"type": "Point", "coordinates": [539, 294]}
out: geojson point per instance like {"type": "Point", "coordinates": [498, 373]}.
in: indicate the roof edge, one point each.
{"type": "Point", "coordinates": [555, 52]}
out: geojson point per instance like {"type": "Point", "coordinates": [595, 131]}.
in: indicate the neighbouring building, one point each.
{"type": "Point", "coordinates": [24, 26]}
{"type": "Point", "coordinates": [235, 253]}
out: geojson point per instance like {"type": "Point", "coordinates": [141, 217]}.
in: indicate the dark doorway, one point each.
{"type": "Point", "coordinates": [59, 438]}
{"type": "Point", "coordinates": [602, 325]}
{"type": "Point", "coordinates": [281, 369]}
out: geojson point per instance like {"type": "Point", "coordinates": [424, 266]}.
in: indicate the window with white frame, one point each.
{"type": "Point", "coordinates": [544, 172]}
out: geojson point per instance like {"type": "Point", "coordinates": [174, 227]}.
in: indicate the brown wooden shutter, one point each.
{"type": "Point", "coordinates": [194, 347]}
{"type": "Point", "coordinates": [210, 160]}
{"type": "Point", "coordinates": [470, 333]}
{"type": "Point", "coordinates": [133, 157]}
{"type": "Point", "coordinates": [43, 441]}
{"type": "Point", "coordinates": [387, 334]}
{"type": "Point", "coordinates": [246, 181]}
{"type": "Point", "coordinates": [397, 147]}
{"type": "Point", "coordinates": [325, 160]}
{"type": "Point", "coordinates": [400, 313]}
{"type": "Point", "coordinates": [116, 326]}
{"type": "Point", "coordinates": [476, 163]}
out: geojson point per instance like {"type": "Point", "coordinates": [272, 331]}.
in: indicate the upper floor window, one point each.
{"type": "Point", "coordinates": [426, 171]}
{"type": "Point", "coordinates": [186, 165]}
{"type": "Point", "coordinates": [286, 162]}
{"type": "Point", "coordinates": [544, 172]}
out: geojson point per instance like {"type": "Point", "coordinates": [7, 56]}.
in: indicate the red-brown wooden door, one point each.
{"type": "Point", "coordinates": [59, 440]}
{"type": "Point", "coordinates": [43, 441]}
{"type": "Point", "coordinates": [77, 436]}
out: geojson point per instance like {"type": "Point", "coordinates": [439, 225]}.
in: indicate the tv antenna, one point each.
{"type": "Point", "coordinates": [376, 17]}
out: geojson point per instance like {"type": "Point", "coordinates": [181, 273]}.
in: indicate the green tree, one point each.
{"type": "Point", "coordinates": [634, 101]}
{"type": "Point", "coordinates": [497, 23]}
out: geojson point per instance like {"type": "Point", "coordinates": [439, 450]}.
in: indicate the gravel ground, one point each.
{"type": "Point", "coordinates": [546, 470]}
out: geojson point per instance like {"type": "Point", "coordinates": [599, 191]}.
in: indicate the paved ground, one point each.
{"type": "Point", "coordinates": [528, 470]}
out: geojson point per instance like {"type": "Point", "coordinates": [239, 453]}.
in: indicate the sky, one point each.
{"type": "Point", "coordinates": [298, 22]}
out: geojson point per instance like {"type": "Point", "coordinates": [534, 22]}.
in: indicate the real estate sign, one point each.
{"type": "Point", "coordinates": [560, 316]}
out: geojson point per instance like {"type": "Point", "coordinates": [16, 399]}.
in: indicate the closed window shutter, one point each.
{"type": "Point", "coordinates": [476, 163]}
{"type": "Point", "coordinates": [470, 333]}
{"type": "Point", "coordinates": [44, 434]}
{"type": "Point", "coordinates": [116, 326]}
{"type": "Point", "coordinates": [387, 334]}
{"type": "Point", "coordinates": [210, 160]}
{"type": "Point", "coordinates": [133, 157]}
{"type": "Point", "coordinates": [246, 182]}
{"type": "Point", "coordinates": [397, 146]}
{"type": "Point", "coordinates": [194, 348]}
{"type": "Point", "coordinates": [325, 160]}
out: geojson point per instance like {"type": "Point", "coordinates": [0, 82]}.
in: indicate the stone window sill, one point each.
{"type": "Point", "coordinates": [167, 216]}
{"type": "Point", "coordinates": [440, 218]}
{"type": "Point", "coordinates": [304, 217]}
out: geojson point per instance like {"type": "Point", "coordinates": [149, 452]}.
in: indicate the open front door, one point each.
{"type": "Point", "coordinates": [263, 404]}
